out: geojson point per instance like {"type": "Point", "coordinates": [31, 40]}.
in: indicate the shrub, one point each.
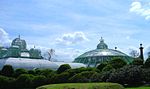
{"type": "Point", "coordinates": [63, 68]}
{"type": "Point", "coordinates": [86, 76]}
{"type": "Point", "coordinates": [39, 80]}
{"type": "Point", "coordinates": [46, 72]}
{"type": "Point", "coordinates": [146, 75]}
{"type": "Point", "coordinates": [131, 75]}
{"type": "Point", "coordinates": [117, 63]}
{"type": "Point", "coordinates": [20, 71]}
{"type": "Point", "coordinates": [137, 61]}
{"type": "Point", "coordinates": [60, 78]}
{"type": "Point", "coordinates": [7, 70]}
{"type": "Point", "coordinates": [107, 68]}
{"type": "Point", "coordinates": [32, 72]}
{"type": "Point", "coordinates": [101, 66]}
{"type": "Point", "coordinates": [24, 81]}
{"type": "Point", "coordinates": [6, 82]}
{"type": "Point", "coordinates": [147, 63]}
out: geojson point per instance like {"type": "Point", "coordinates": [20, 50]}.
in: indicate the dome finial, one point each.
{"type": "Point", "coordinates": [102, 45]}
{"type": "Point", "coordinates": [19, 36]}
{"type": "Point", "coordinates": [101, 40]}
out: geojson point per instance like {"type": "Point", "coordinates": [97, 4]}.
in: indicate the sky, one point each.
{"type": "Point", "coordinates": [72, 27]}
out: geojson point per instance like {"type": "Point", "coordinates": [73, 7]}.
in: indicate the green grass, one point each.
{"type": "Point", "coordinates": [139, 88]}
{"type": "Point", "coordinates": [83, 86]}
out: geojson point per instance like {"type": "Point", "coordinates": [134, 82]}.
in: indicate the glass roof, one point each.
{"type": "Point", "coordinates": [102, 52]}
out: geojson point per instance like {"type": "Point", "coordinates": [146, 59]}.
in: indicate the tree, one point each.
{"type": "Point", "coordinates": [137, 61]}
{"type": "Point", "coordinates": [50, 53]}
{"type": "Point", "coordinates": [134, 53]}
{"type": "Point", "coordinates": [7, 70]}
{"type": "Point", "coordinates": [147, 63]}
{"type": "Point", "coordinates": [20, 71]}
{"type": "Point", "coordinates": [130, 74]}
{"type": "Point", "coordinates": [101, 66]}
{"type": "Point", "coordinates": [63, 68]}
{"type": "Point", "coordinates": [117, 62]}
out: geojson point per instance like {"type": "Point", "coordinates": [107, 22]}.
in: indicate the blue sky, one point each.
{"type": "Point", "coordinates": [72, 27]}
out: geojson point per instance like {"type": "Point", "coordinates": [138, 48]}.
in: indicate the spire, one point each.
{"type": "Point", "coordinates": [101, 40]}
{"type": "Point", "coordinates": [141, 52]}
{"type": "Point", "coordinates": [102, 45]}
{"type": "Point", "coordinates": [19, 36]}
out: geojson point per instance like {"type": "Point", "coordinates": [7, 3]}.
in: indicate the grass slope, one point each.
{"type": "Point", "coordinates": [83, 86]}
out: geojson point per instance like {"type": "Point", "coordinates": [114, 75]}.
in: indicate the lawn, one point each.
{"type": "Point", "coordinates": [83, 86]}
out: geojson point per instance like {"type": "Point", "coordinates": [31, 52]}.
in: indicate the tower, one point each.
{"type": "Point", "coordinates": [141, 52]}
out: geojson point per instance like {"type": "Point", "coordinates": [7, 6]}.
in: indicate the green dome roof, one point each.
{"type": "Point", "coordinates": [102, 45]}
{"type": "Point", "coordinates": [19, 42]}
{"type": "Point", "coordinates": [101, 54]}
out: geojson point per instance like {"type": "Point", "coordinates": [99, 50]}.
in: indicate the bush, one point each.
{"type": "Point", "coordinates": [20, 71]}
{"type": "Point", "coordinates": [24, 81]}
{"type": "Point", "coordinates": [117, 63]}
{"type": "Point", "coordinates": [7, 70]}
{"type": "Point", "coordinates": [6, 82]}
{"type": "Point", "coordinates": [137, 61]}
{"type": "Point", "coordinates": [63, 68]}
{"type": "Point", "coordinates": [39, 80]}
{"type": "Point", "coordinates": [101, 66]}
{"type": "Point", "coordinates": [147, 63]}
{"type": "Point", "coordinates": [107, 68]}
{"type": "Point", "coordinates": [146, 75]}
{"type": "Point", "coordinates": [86, 76]}
{"type": "Point", "coordinates": [32, 72]}
{"type": "Point", "coordinates": [60, 78]}
{"type": "Point", "coordinates": [131, 75]}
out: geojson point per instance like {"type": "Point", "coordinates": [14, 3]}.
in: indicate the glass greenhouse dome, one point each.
{"type": "Point", "coordinates": [101, 54]}
{"type": "Point", "coordinates": [19, 56]}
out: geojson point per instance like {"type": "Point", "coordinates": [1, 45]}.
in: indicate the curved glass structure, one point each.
{"type": "Point", "coordinates": [20, 57]}
{"type": "Point", "coordinates": [35, 63]}
{"type": "Point", "coordinates": [101, 54]}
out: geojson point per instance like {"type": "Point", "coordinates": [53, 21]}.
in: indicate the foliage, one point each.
{"type": "Point", "coordinates": [86, 76]}
{"type": "Point", "coordinates": [6, 82]}
{"type": "Point", "coordinates": [107, 68]}
{"type": "Point", "coordinates": [137, 61]}
{"type": "Point", "coordinates": [83, 86]}
{"type": "Point", "coordinates": [24, 81]}
{"type": "Point", "coordinates": [147, 63]}
{"type": "Point", "coordinates": [20, 71]}
{"type": "Point", "coordinates": [39, 80]}
{"type": "Point", "coordinates": [7, 70]}
{"type": "Point", "coordinates": [63, 68]}
{"type": "Point", "coordinates": [146, 75]}
{"type": "Point", "coordinates": [131, 75]}
{"type": "Point", "coordinates": [117, 62]}
{"type": "Point", "coordinates": [60, 78]}
{"type": "Point", "coordinates": [101, 66]}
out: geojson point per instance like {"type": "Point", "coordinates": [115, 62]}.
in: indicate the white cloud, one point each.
{"type": "Point", "coordinates": [141, 9]}
{"type": "Point", "coordinates": [4, 38]}
{"type": "Point", "coordinates": [67, 55]}
{"type": "Point", "coordinates": [72, 38]}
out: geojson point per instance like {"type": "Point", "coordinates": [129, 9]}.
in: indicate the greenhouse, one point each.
{"type": "Point", "coordinates": [101, 54]}
{"type": "Point", "coordinates": [19, 56]}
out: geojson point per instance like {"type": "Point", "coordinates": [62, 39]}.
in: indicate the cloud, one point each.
{"type": "Point", "coordinates": [72, 38]}
{"type": "Point", "coordinates": [4, 38]}
{"type": "Point", "coordinates": [141, 9]}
